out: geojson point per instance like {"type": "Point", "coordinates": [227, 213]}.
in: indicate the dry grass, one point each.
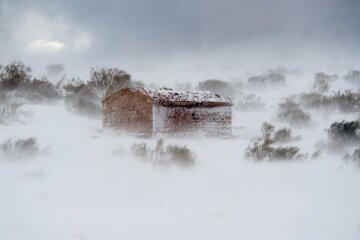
{"type": "Point", "coordinates": [161, 155]}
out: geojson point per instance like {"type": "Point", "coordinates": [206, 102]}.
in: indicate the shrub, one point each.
{"type": "Point", "coordinates": [353, 76]}
{"type": "Point", "coordinates": [40, 90]}
{"type": "Point", "coordinates": [262, 148]}
{"type": "Point", "coordinates": [355, 156]}
{"type": "Point", "coordinates": [216, 86]}
{"type": "Point", "coordinates": [249, 103]}
{"type": "Point", "coordinates": [82, 99]}
{"type": "Point", "coordinates": [322, 82]}
{"type": "Point", "coordinates": [87, 108]}
{"type": "Point", "coordinates": [180, 155]}
{"type": "Point", "coordinates": [282, 135]}
{"type": "Point", "coordinates": [9, 108]}
{"type": "Point", "coordinates": [9, 111]}
{"type": "Point", "coordinates": [271, 77]}
{"type": "Point", "coordinates": [345, 131]}
{"type": "Point", "coordinates": [313, 100]}
{"type": "Point", "coordinates": [14, 76]}
{"type": "Point", "coordinates": [283, 153]}
{"type": "Point", "coordinates": [291, 112]}
{"type": "Point", "coordinates": [106, 81]}
{"type": "Point", "coordinates": [21, 148]}
{"type": "Point", "coordinates": [140, 150]}
{"type": "Point", "coordinates": [347, 101]}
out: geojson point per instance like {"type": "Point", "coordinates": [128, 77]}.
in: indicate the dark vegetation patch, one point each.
{"type": "Point", "coordinates": [346, 101]}
{"type": "Point", "coordinates": [264, 149]}
{"type": "Point", "coordinates": [217, 86]}
{"type": "Point", "coordinates": [9, 108]}
{"type": "Point", "coordinates": [105, 81]}
{"type": "Point", "coordinates": [342, 136]}
{"type": "Point", "coordinates": [161, 155]}
{"type": "Point", "coordinates": [272, 77]}
{"type": "Point", "coordinates": [354, 157]}
{"type": "Point", "coordinates": [80, 97]}
{"type": "Point", "coordinates": [85, 98]}
{"type": "Point", "coordinates": [16, 78]}
{"type": "Point", "coordinates": [290, 111]}
{"type": "Point", "coordinates": [249, 102]}
{"type": "Point", "coordinates": [19, 148]}
{"type": "Point", "coordinates": [345, 132]}
{"type": "Point", "coordinates": [353, 76]}
{"type": "Point", "coordinates": [322, 82]}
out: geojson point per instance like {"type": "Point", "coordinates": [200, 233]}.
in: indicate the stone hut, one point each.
{"type": "Point", "coordinates": [167, 111]}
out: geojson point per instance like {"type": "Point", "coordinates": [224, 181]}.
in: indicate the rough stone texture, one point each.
{"type": "Point", "coordinates": [128, 111]}
{"type": "Point", "coordinates": [192, 120]}
{"type": "Point", "coordinates": [139, 112]}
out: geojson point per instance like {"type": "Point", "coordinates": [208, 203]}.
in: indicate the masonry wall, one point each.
{"type": "Point", "coordinates": [128, 111]}
{"type": "Point", "coordinates": [192, 120]}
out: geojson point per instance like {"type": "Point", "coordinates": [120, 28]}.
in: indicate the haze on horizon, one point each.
{"type": "Point", "coordinates": [172, 40]}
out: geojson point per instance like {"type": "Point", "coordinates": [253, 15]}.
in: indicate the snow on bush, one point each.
{"type": "Point", "coordinates": [354, 157]}
{"type": "Point", "coordinates": [19, 148]}
{"type": "Point", "coordinates": [345, 131]}
{"type": "Point", "coordinates": [180, 155]}
{"type": "Point", "coordinates": [264, 149]}
{"type": "Point", "coordinates": [272, 77]}
{"type": "Point", "coordinates": [249, 102]}
{"type": "Point", "coordinates": [353, 76]}
{"type": "Point", "coordinates": [322, 82]}
{"type": "Point", "coordinates": [346, 101]}
{"type": "Point", "coordinates": [290, 111]}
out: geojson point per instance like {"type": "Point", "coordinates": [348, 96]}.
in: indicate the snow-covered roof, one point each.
{"type": "Point", "coordinates": [184, 98]}
{"type": "Point", "coordinates": [171, 96]}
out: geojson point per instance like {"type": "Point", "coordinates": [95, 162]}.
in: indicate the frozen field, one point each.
{"type": "Point", "coordinates": [78, 189]}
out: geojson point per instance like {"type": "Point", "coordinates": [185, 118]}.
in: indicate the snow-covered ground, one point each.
{"type": "Point", "coordinates": [78, 189]}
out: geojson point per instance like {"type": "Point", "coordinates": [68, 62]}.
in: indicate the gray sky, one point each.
{"type": "Point", "coordinates": [159, 38]}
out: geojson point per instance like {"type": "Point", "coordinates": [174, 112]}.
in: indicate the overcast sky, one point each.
{"type": "Point", "coordinates": [208, 36]}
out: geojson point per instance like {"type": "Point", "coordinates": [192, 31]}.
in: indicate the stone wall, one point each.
{"type": "Point", "coordinates": [128, 111]}
{"type": "Point", "coordinates": [192, 120]}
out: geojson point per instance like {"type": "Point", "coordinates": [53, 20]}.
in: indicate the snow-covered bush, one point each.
{"type": "Point", "coordinates": [290, 111]}
{"type": "Point", "coordinates": [270, 78]}
{"type": "Point", "coordinates": [82, 99]}
{"type": "Point", "coordinates": [322, 82]}
{"type": "Point", "coordinates": [263, 149]}
{"type": "Point", "coordinates": [346, 101]}
{"type": "Point", "coordinates": [249, 102]}
{"type": "Point", "coordinates": [16, 78]}
{"type": "Point", "coordinates": [9, 108]}
{"type": "Point", "coordinates": [20, 148]}
{"type": "Point", "coordinates": [345, 131]}
{"type": "Point", "coordinates": [180, 155]}
{"type": "Point", "coordinates": [217, 86]}
{"type": "Point", "coordinates": [106, 81]}
{"type": "Point", "coordinates": [354, 157]}
{"type": "Point", "coordinates": [353, 76]}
